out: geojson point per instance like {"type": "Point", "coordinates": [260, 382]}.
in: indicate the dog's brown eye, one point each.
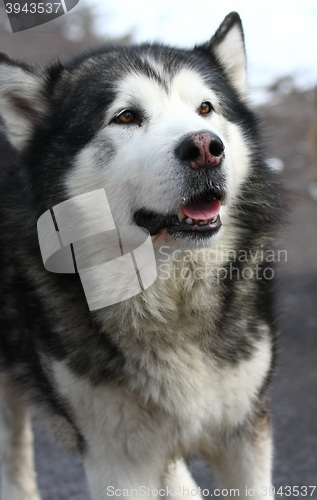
{"type": "Point", "coordinates": [126, 116]}
{"type": "Point", "coordinates": [205, 108]}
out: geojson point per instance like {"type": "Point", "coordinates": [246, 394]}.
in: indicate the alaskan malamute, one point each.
{"type": "Point", "coordinates": [181, 368]}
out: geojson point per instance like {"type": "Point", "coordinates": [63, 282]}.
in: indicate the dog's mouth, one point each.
{"type": "Point", "coordinates": [199, 217]}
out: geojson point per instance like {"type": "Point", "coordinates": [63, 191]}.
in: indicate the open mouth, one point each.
{"type": "Point", "coordinates": [198, 218]}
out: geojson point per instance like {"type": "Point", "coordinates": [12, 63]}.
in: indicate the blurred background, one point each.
{"type": "Point", "coordinates": [281, 40]}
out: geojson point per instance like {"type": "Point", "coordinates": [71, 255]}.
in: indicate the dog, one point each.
{"type": "Point", "coordinates": [181, 368]}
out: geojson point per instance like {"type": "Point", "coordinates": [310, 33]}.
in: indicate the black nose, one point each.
{"type": "Point", "coordinates": [202, 150]}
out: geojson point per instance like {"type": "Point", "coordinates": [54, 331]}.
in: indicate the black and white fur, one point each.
{"type": "Point", "coordinates": [183, 367]}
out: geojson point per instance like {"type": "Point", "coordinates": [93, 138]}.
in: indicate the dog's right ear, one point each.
{"type": "Point", "coordinates": [22, 101]}
{"type": "Point", "coordinates": [228, 46]}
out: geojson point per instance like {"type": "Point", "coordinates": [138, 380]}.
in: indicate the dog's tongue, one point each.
{"type": "Point", "coordinates": [202, 210]}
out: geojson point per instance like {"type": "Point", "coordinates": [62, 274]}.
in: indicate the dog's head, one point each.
{"type": "Point", "coordinates": [167, 132]}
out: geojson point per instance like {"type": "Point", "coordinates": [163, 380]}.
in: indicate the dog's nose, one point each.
{"type": "Point", "coordinates": [202, 150]}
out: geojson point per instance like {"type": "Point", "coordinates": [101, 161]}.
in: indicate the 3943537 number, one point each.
{"type": "Point", "coordinates": [288, 491]}
{"type": "Point", "coordinates": [33, 8]}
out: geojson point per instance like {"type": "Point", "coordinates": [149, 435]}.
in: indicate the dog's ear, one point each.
{"type": "Point", "coordinates": [22, 101]}
{"type": "Point", "coordinates": [227, 45]}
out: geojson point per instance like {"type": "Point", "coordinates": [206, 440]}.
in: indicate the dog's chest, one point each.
{"type": "Point", "coordinates": [169, 374]}
{"type": "Point", "coordinates": [189, 384]}
{"type": "Point", "coordinates": [176, 358]}
{"type": "Point", "coordinates": [183, 397]}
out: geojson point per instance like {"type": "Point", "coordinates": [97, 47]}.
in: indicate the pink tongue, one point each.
{"type": "Point", "coordinates": [203, 210]}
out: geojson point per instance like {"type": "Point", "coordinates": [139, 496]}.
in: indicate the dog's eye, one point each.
{"type": "Point", "coordinates": [126, 116]}
{"type": "Point", "coordinates": [205, 108]}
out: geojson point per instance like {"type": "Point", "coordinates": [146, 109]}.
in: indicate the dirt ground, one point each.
{"type": "Point", "coordinates": [295, 385]}
{"type": "Point", "coordinates": [294, 391]}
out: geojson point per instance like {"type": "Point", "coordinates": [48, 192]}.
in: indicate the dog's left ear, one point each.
{"type": "Point", "coordinates": [228, 46]}
{"type": "Point", "coordinates": [21, 99]}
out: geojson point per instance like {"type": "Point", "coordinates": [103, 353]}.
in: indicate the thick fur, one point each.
{"type": "Point", "coordinates": [183, 367]}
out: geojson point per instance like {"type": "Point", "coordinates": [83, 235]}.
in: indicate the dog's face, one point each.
{"type": "Point", "coordinates": [160, 129]}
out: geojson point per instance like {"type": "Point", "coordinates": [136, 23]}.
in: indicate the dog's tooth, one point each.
{"type": "Point", "coordinates": [214, 219]}
{"type": "Point", "coordinates": [180, 214]}
{"type": "Point", "coordinates": [189, 220]}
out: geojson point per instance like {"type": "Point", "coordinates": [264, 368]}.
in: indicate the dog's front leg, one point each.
{"type": "Point", "coordinates": [179, 483]}
{"type": "Point", "coordinates": [243, 465]}
{"type": "Point", "coordinates": [16, 443]}
{"type": "Point", "coordinates": [110, 474]}
{"type": "Point", "coordinates": [124, 453]}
